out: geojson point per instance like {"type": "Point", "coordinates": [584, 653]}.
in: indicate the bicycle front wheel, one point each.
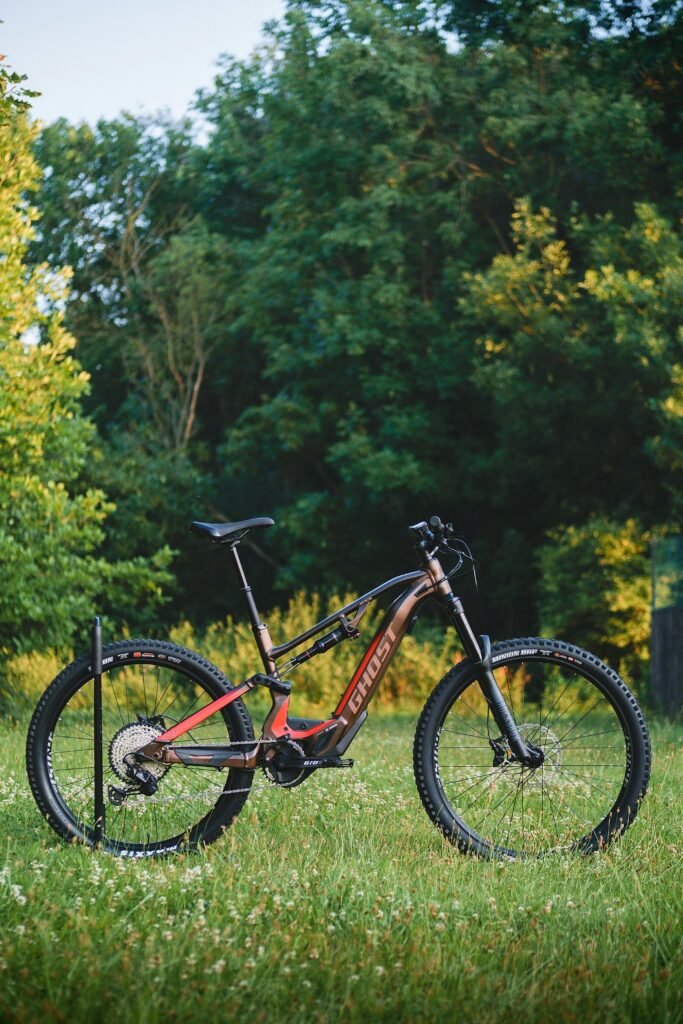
{"type": "Point", "coordinates": [568, 704]}
{"type": "Point", "coordinates": [147, 686]}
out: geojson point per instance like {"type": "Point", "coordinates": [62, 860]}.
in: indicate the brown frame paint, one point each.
{"type": "Point", "coordinates": [428, 582]}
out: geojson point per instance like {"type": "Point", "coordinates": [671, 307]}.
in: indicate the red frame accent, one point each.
{"type": "Point", "coordinates": [344, 699]}
{"type": "Point", "coordinates": [199, 716]}
{"type": "Point", "coordinates": [278, 725]}
{"type": "Point", "coordinates": [302, 734]}
{"type": "Point", "coordinates": [395, 624]}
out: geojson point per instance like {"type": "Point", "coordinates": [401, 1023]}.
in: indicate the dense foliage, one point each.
{"type": "Point", "coordinates": [50, 524]}
{"type": "Point", "coordinates": [427, 258]}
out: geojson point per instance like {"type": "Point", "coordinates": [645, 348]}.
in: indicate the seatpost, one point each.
{"type": "Point", "coordinates": [259, 629]}
{"type": "Point", "coordinates": [245, 588]}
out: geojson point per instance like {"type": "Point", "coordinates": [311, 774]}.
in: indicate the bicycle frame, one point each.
{"type": "Point", "coordinates": [572, 781]}
{"type": "Point", "coordinates": [332, 736]}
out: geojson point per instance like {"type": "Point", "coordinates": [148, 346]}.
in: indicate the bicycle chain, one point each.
{"type": "Point", "coordinates": [219, 790]}
{"type": "Point", "coordinates": [267, 784]}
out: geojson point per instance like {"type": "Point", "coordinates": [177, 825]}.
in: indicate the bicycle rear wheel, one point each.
{"type": "Point", "coordinates": [567, 703]}
{"type": "Point", "coordinates": [147, 686]}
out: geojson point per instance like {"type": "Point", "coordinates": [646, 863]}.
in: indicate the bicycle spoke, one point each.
{"type": "Point", "coordinates": [182, 798]}
{"type": "Point", "coordinates": [536, 809]}
{"type": "Point", "coordinates": [590, 711]}
{"type": "Point", "coordinates": [459, 732]}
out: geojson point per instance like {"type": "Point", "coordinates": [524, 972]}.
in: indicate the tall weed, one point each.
{"type": "Point", "coordinates": [422, 659]}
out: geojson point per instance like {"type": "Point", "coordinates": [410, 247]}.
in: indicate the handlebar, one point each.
{"type": "Point", "coordinates": [432, 533]}
{"type": "Point", "coordinates": [435, 535]}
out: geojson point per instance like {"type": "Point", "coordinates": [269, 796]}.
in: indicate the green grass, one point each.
{"type": "Point", "coordinates": [339, 901]}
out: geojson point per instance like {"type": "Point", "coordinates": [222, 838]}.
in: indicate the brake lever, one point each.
{"type": "Point", "coordinates": [458, 565]}
{"type": "Point", "coordinates": [445, 546]}
{"type": "Point", "coordinates": [458, 547]}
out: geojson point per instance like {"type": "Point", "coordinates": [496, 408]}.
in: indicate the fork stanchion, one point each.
{"type": "Point", "coordinates": [96, 661]}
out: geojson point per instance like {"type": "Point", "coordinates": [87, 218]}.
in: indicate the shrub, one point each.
{"type": "Point", "coordinates": [595, 591]}
{"type": "Point", "coordinates": [419, 665]}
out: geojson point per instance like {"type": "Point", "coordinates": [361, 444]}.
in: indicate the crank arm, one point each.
{"type": "Point", "coordinates": [315, 762]}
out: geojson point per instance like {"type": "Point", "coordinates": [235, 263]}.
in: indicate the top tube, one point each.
{"type": "Point", "coordinates": [276, 652]}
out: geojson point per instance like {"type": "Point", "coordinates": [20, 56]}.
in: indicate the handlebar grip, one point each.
{"type": "Point", "coordinates": [421, 530]}
{"type": "Point", "coordinates": [433, 532]}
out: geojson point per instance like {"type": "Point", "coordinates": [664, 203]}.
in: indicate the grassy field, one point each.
{"type": "Point", "coordinates": [339, 901]}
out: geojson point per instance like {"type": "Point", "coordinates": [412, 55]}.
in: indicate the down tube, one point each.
{"type": "Point", "coordinates": [369, 673]}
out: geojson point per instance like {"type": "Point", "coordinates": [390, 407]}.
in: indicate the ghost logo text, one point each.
{"type": "Point", "coordinates": [372, 669]}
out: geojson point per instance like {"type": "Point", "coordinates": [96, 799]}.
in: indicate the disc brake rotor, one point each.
{"type": "Point", "coordinates": [541, 737]}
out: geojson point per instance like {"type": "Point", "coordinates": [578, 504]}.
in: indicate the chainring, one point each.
{"type": "Point", "coordinates": [285, 777]}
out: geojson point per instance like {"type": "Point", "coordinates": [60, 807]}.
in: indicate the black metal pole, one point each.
{"type": "Point", "coordinates": [96, 656]}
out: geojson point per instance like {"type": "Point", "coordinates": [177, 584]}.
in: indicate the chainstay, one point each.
{"type": "Point", "coordinates": [267, 783]}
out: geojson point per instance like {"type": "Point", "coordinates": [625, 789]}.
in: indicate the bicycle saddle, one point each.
{"type": "Point", "coordinates": [218, 533]}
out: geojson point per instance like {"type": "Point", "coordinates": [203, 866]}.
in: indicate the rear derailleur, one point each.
{"type": "Point", "coordinates": [144, 781]}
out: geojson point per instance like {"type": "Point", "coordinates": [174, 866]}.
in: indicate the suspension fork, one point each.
{"type": "Point", "coordinates": [479, 651]}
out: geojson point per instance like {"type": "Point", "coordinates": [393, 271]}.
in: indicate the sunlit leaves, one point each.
{"type": "Point", "coordinates": [51, 526]}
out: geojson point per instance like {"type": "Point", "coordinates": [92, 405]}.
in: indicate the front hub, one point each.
{"type": "Point", "coordinates": [545, 755]}
{"type": "Point", "coordinates": [536, 756]}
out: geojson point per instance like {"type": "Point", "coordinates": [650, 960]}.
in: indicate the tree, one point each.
{"type": "Point", "coordinates": [153, 305]}
{"type": "Point", "coordinates": [436, 290]}
{"type": "Point", "coordinates": [595, 590]}
{"type": "Point", "coordinates": [578, 372]}
{"type": "Point", "coordinates": [50, 528]}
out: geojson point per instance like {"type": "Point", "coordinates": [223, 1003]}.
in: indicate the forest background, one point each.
{"type": "Point", "coordinates": [417, 258]}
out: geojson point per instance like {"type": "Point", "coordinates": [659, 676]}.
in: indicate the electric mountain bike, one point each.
{"type": "Point", "coordinates": [524, 748]}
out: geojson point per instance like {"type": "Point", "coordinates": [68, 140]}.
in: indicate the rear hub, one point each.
{"type": "Point", "coordinates": [126, 742]}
